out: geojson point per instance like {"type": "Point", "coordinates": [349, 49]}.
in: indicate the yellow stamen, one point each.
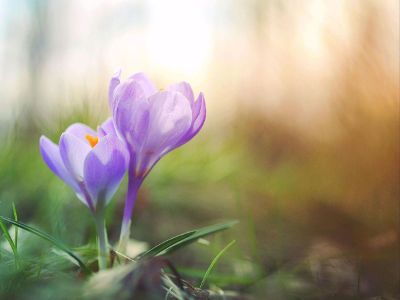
{"type": "Point", "coordinates": [93, 140]}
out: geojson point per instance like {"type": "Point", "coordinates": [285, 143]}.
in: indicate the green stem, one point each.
{"type": "Point", "coordinates": [102, 240]}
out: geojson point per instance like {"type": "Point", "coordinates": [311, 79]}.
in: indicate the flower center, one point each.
{"type": "Point", "coordinates": [93, 140]}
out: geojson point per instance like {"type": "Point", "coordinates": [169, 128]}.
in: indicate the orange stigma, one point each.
{"type": "Point", "coordinates": [93, 140]}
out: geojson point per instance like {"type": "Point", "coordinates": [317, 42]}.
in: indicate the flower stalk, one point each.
{"type": "Point", "coordinates": [133, 188]}
{"type": "Point", "coordinates": [102, 240]}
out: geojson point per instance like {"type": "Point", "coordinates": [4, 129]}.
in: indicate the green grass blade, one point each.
{"type": "Point", "coordinates": [199, 233]}
{"type": "Point", "coordinates": [165, 245]}
{"type": "Point", "coordinates": [222, 280]}
{"type": "Point", "coordinates": [214, 262]}
{"type": "Point", "coordinates": [184, 239]}
{"type": "Point", "coordinates": [16, 228]}
{"type": "Point", "coordinates": [48, 238]}
{"type": "Point", "coordinates": [10, 241]}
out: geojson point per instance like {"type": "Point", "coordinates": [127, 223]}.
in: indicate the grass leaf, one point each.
{"type": "Point", "coordinates": [214, 262]}
{"type": "Point", "coordinates": [10, 241]}
{"type": "Point", "coordinates": [184, 239]}
{"type": "Point", "coordinates": [48, 238]}
{"type": "Point", "coordinates": [199, 233]}
{"type": "Point", "coordinates": [16, 228]}
{"type": "Point", "coordinates": [156, 250]}
{"type": "Point", "coordinates": [222, 280]}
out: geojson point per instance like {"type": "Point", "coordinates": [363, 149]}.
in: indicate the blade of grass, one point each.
{"type": "Point", "coordinates": [16, 228]}
{"type": "Point", "coordinates": [48, 238]}
{"type": "Point", "coordinates": [214, 262]}
{"type": "Point", "coordinates": [222, 280]}
{"type": "Point", "coordinates": [164, 245]}
{"type": "Point", "coordinates": [199, 233]}
{"type": "Point", "coordinates": [184, 239]}
{"type": "Point", "coordinates": [10, 241]}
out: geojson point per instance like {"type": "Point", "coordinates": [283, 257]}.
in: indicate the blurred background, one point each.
{"type": "Point", "coordinates": [301, 143]}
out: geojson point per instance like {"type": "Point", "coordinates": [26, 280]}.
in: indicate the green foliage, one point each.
{"type": "Point", "coordinates": [214, 262]}
{"type": "Point", "coordinates": [12, 243]}
{"type": "Point", "coordinates": [48, 238]}
{"type": "Point", "coordinates": [16, 228]}
{"type": "Point", "coordinates": [156, 250]}
{"type": "Point", "coordinates": [184, 239]}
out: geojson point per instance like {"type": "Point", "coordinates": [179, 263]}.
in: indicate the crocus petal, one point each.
{"type": "Point", "coordinates": [132, 121]}
{"type": "Point", "coordinates": [147, 86]}
{"type": "Point", "coordinates": [51, 155]}
{"type": "Point", "coordinates": [104, 168]}
{"type": "Point", "coordinates": [126, 93]}
{"type": "Point", "coordinates": [73, 152]}
{"type": "Point", "coordinates": [107, 127]}
{"type": "Point", "coordinates": [170, 118]}
{"type": "Point", "coordinates": [199, 115]}
{"type": "Point", "coordinates": [114, 82]}
{"type": "Point", "coordinates": [80, 131]}
{"type": "Point", "coordinates": [184, 88]}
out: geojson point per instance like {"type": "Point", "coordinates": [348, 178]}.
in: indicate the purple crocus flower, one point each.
{"type": "Point", "coordinates": [93, 165]}
{"type": "Point", "coordinates": [152, 123]}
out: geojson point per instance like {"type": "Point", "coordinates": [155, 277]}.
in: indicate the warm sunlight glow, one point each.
{"type": "Point", "coordinates": [179, 35]}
